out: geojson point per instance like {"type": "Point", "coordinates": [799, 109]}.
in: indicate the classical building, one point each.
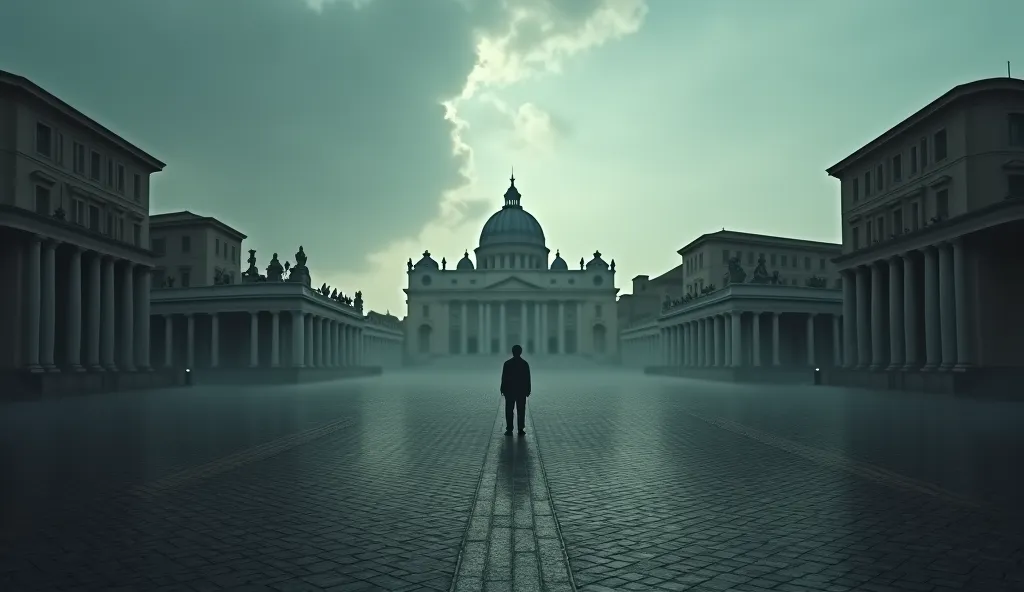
{"type": "Point", "coordinates": [638, 315]}
{"type": "Point", "coordinates": [74, 231]}
{"type": "Point", "coordinates": [933, 220]}
{"type": "Point", "coordinates": [267, 328]}
{"type": "Point", "coordinates": [511, 295]}
{"type": "Point", "coordinates": [778, 322]}
{"type": "Point", "coordinates": [194, 250]}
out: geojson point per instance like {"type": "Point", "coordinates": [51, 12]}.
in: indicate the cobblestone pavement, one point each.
{"type": "Point", "coordinates": [405, 482]}
{"type": "Point", "coordinates": [686, 485]}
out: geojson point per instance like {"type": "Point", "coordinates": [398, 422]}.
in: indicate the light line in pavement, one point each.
{"type": "Point", "coordinates": [841, 461]}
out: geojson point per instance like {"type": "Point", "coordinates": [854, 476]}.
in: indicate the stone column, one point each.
{"type": "Point", "coordinates": [310, 353]}
{"type": "Point", "coordinates": [737, 339]}
{"type": "Point", "coordinates": [502, 323]}
{"type": "Point", "coordinates": [74, 312]}
{"type": "Point", "coordinates": [33, 304]}
{"type": "Point", "coordinates": [190, 343]}
{"type": "Point", "coordinates": [681, 340]}
{"type": "Point", "coordinates": [94, 313]}
{"type": "Point", "coordinates": [545, 328]}
{"type": "Point", "coordinates": [561, 327]}
{"type": "Point", "coordinates": [911, 325]}
{"type": "Point", "coordinates": [850, 308]}
{"type": "Point", "coordinates": [863, 328]}
{"type": "Point", "coordinates": [168, 341]}
{"type": "Point", "coordinates": [964, 308]}
{"type": "Point", "coordinates": [325, 342]}
{"type": "Point", "coordinates": [837, 352]}
{"type": "Point", "coordinates": [49, 290]}
{"type": "Point", "coordinates": [701, 344]}
{"type": "Point", "coordinates": [298, 339]}
{"type": "Point", "coordinates": [522, 324]}
{"type": "Point", "coordinates": [663, 342]}
{"type": "Point", "coordinates": [214, 340]}
{"type": "Point", "coordinates": [811, 361]}
{"type": "Point", "coordinates": [128, 318]}
{"type": "Point", "coordinates": [877, 317]}
{"type": "Point", "coordinates": [254, 339]}
{"type": "Point", "coordinates": [775, 339]}
{"type": "Point", "coordinates": [537, 334]}
{"type": "Point", "coordinates": [464, 328]}
{"type": "Point", "coordinates": [947, 306]}
{"type": "Point", "coordinates": [896, 329]}
{"type": "Point", "coordinates": [142, 320]}
{"type": "Point", "coordinates": [719, 331]}
{"type": "Point", "coordinates": [107, 327]}
{"type": "Point", "coordinates": [275, 339]}
{"type": "Point", "coordinates": [727, 340]}
{"type": "Point", "coordinates": [579, 327]}
{"type": "Point", "coordinates": [932, 336]}
{"type": "Point", "coordinates": [480, 328]}
{"type": "Point", "coordinates": [695, 344]}
{"type": "Point", "coordinates": [756, 337]}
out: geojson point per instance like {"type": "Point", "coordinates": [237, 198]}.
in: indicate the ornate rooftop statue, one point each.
{"type": "Point", "coordinates": [300, 258]}
{"type": "Point", "coordinates": [444, 263]}
{"type": "Point", "coordinates": [582, 265]}
{"type": "Point", "coordinates": [299, 273]}
{"type": "Point", "coordinates": [252, 274]}
{"type": "Point", "coordinates": [760, 272]}
{"type": "Point", "coordinates": [274, 270]}
{"type": "Point", "coordinates": [409, 264]}
{"type": "Point", "coordinates": [359, 301]}
{"type": "Point", "coordinates": [736, 274]}
{"type": "Point", "coordinates": [334, 294]}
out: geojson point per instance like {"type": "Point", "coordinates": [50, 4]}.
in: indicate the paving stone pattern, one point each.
{"type": "Point", "coordinates": [513, 542]}
{"type": "Point", "coordinates": [380, 506]}
{"type": "Point", "coordinates": [651, 498]}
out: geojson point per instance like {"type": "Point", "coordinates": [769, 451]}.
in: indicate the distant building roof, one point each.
{"type": "Point", "coordinates": [39, 93]}
{"type": "Point", "coordinates": [765, 239]}
{"type": "Point", "coordinates": [186, 218]}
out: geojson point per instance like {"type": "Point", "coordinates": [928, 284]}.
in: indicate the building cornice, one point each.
{"type": "Point", "coordinates": [35, 91]}
{"type": "Point", "coordinates": [66, 231]}
{"type": "Point", "coordinates": [955, 95]}
{"type": "Point", "coordinates": [161, 221]}
{"type": "Point", "coordinates": [250, 297]}
{"type": "Point", "coordinates": [756, 298]}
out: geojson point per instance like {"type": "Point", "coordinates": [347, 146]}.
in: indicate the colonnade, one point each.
{"type": "Point", "coordinates": [316, 341]}
{"type": "Point", "coordinates": [106, 310]}
{"type": "Point", "coordinates": [541, 322]}
{"type": "Point", "coordinates": [910, 311]}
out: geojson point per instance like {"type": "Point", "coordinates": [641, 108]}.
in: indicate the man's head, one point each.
{"type": "Point", "coordinates": [517, 351]}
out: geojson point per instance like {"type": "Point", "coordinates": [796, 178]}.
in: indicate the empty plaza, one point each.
{"type": "Point", "coordinates": [406, 482]}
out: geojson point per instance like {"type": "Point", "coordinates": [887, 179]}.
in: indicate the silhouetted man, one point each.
{"type": "Point", "coordinates": [515, 387]}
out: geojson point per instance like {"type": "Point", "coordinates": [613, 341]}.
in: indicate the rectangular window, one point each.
{"type": "Point", "coordinates": [110, 172]}
{"type": "Point", "coordinates": [700, 258]}
{"type": "Point", "coordinates": [821, 264]}
{"type": "Point", "coordinates": [95, 166]}
{"type": "Point", "coordinates": [940, 145]}
{"type": "Point", "coordinates": [773, 259]}
{"type": "Point", "coordinates": [897, 168]}
{"type": "Point", "coordinates": [855, 189]}
{"type": "Point", "coordinates": [1016, 185]}
{"type": "Point", "coordinates": [924, 153]}
{"type": "Point", "coordinates": [897, 221]}
{"type": "Point", "coordinates": [807, 263]}
{"type": "Point", "coordinates": [110, 225]}
{"type": "Point", "coordinates": [120, 229]}
{"type": "Point", "coordinates": [59, 152]}
{"type": "Point", "coordinates": [913, 160]}
{"type": "Point", "coordinates": [869, 233]}
{"type": "Point", "coordinates": [856, 238]}
{"type": "Point", "coordinates": [597, 310]}
{"type": "Point", "coordinates": [216, 245]}
{"type": "Point", "coordinates": [94, 218]}
{"type": "Point", "coordinates": [725, 255]}
{"type": "Point", "coordinates": [915, 216]}
{"type": "Point", "coordinates": [750, 258]}
{"type": "Point", "coordinates": [880, 228]}
{"type": "Point", "coordinates": [880, 178]}
{"type": "Point", "coordinates": [234, 253]}
{"type": "Point", "coordinates": [1017, 129]}
{"type": "Point", "coordinates": [785, 260]}
{"type": "Point", "coordinates": [186, 244]}
{"type": "Point", "coordinates": [79, 212]}
{"type": "Point", "coordinates": [137, 187]}
{"type": "Point", "coordinates": [137, 234]}
{"type": "Point", "coordinates": [186, 277]}
{"type": "Point", "coordinates": [79, 158]}
{"type": "Point", "coordinates": [159, 247]}
{"type": "Point", "coordinates": [42, 200]}
{"type": "Point", "coordinates": [44, 140]}
{"type": "Point", "coordinates": [867, 184]}
{"type": "Point", "coordinates": [942, 204]}
{"type": "Point", "coordinates": [120, 178]}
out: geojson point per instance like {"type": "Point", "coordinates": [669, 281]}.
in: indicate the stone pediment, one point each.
{"type": "Point", "coordinates": [513, 284]}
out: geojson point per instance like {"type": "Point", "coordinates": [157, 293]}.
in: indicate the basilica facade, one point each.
{"type": "Point", "coordinates": [511, 292]}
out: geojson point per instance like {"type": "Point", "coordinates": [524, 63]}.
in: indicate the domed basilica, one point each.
{"type": "Point", "coordinates": [511, 292]}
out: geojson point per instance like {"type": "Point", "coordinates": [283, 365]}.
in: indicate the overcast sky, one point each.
{"type": "Point", "coordinates": [371, 130]}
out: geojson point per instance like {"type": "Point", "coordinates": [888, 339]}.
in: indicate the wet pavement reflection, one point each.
{"type": "Point", "coordinates": [656, 483]}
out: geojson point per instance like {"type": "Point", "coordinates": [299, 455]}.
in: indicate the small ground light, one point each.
{"type": "Point", "coordinates": [188, 377]}
{"type": "Point", "coordinates": [817, 376]}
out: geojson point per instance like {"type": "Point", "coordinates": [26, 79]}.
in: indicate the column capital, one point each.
{"type": "Point", "coordinates": [812, 314]}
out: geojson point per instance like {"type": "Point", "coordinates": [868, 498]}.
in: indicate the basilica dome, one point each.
{"type": "Point", "coordinates": [512, 224]}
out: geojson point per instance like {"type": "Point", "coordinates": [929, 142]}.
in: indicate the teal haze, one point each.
{"type": "Point", "coordinates": [371, 130]}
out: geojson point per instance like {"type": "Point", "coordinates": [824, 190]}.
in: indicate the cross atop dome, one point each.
{"type": "Point", "coordinates": [512, 195]}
